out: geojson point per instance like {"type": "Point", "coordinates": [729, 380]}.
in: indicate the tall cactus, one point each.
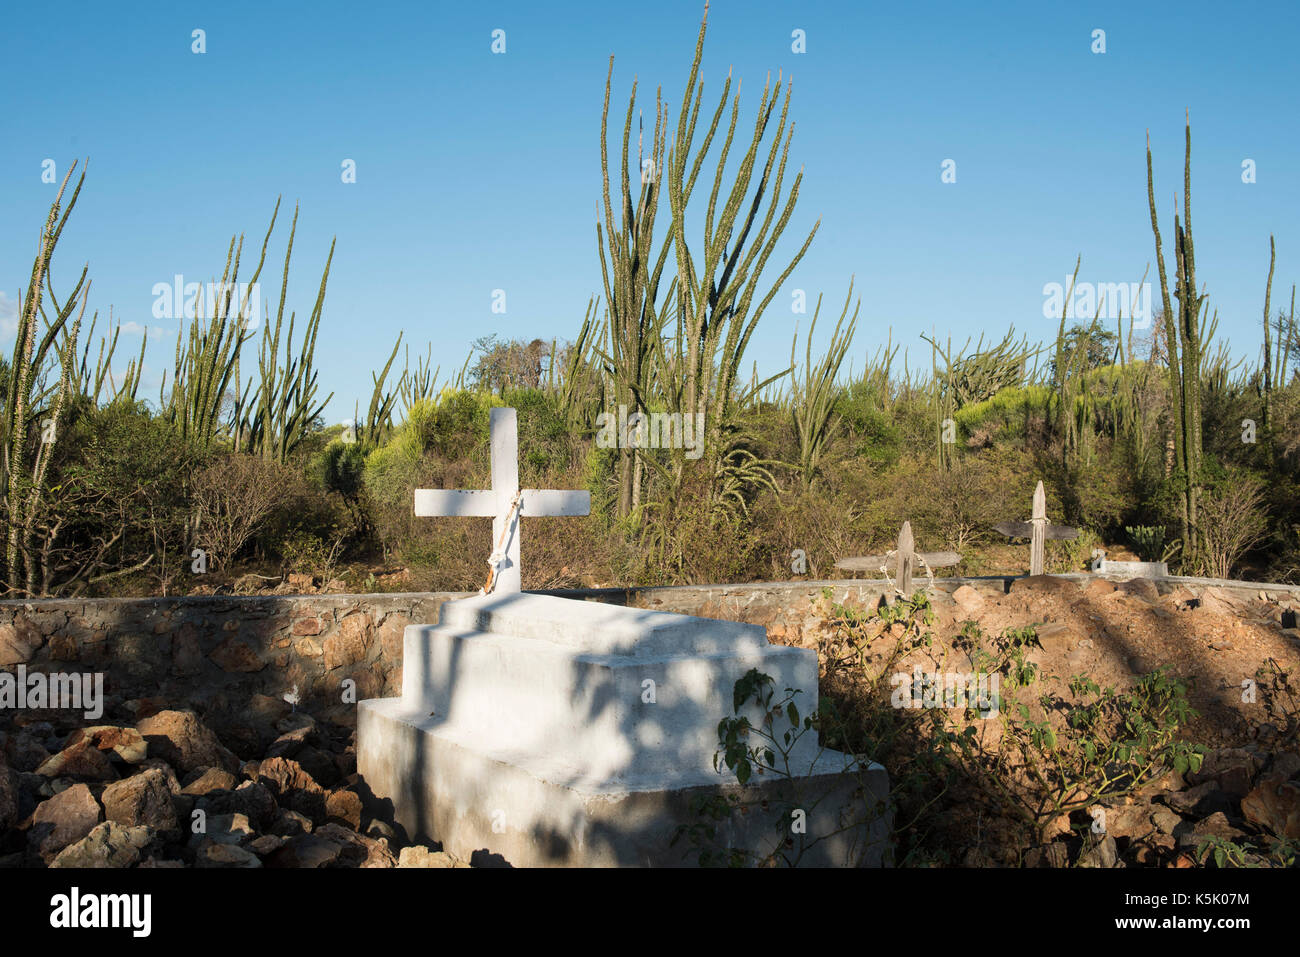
{"type": "Point", "coordinates": [631, 274]}
{"type": "Point", "coordinates": [1268, 338]}
{"type": "Point", "coordinates": [814, 399]}
{"type": "Point", "coordinates": [1184, 345]}
{"type": "Point", "coordinates": [30, 402]}
{"type": "Point", "coordinates": [721, 297]}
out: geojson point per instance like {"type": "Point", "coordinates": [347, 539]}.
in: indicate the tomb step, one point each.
{"type": "Point", "coordinates": [606, 714]}
{"type": "Point", "coordinates": [599, 628]}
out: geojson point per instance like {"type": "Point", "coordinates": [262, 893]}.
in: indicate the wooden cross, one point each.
{"type": "Point", "coordinates": [505, 502]}
{"type": "Point", "coordinates": [904, 558]}
{"type": "Point", "coordinates": [1037, 530]}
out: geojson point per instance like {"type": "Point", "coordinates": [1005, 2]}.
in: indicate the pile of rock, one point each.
{"type": "Point", "coordinates": [1243, 796]}
{"type": "Point", "coordinates": [167, 792]}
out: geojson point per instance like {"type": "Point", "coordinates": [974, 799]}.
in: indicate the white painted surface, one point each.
{"type": "Point", "coordinates": [496, 502]}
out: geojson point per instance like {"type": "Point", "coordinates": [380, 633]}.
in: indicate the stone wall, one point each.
{"type": "Point", "coordinates": [232, 658]}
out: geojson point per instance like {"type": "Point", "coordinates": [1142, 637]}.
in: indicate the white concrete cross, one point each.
{"type": "Point", "coordinates": [499, 501]}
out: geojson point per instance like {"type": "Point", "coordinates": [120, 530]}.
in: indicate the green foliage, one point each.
{"type": "Point", "coordinates": [1009, 415]}
{"type": "Point", "coordinates": [876, 438]}
{"type": "Point", "coordinates": [1148, 541]}
{"type": "Point", "coordinates": [1063, 754]}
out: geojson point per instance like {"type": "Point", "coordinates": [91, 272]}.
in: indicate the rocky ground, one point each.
{"type": "Point", "coordinates": [150, 785]}
{"type": "Point", "coordinates": [164, 791]}
{"type": "Point", "coordinates": [1225, 643]}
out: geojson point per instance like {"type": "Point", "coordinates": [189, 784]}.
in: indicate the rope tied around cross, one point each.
{"type": "Point", "coordinates": [499, 556]}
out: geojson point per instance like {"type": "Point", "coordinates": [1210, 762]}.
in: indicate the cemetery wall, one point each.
{"type": "Point", "coordinates": [230, 657]}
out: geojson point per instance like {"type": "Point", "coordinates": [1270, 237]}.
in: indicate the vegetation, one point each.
{"type": "Point", "coordinates": [1147, 435]}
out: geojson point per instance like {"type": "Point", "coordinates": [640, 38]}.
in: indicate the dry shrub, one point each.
{"type": "Point", "coordinates": [1231, 521]}
{"type": "Point", "coordinates": [232, 497]}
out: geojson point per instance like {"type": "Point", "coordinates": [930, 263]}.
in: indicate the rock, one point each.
{"type": "Point", "coordinates": [157, 764]}
{"type": "Point", "coordinates": [252, 800]}
{"type": "Point", "coordinates": [290, 743]}
{"type": "Point", "coordinates": [308, 648]}
{"type": "Point", "coordinates": [224, 829]}
{"type": "Point", "coordinates": [1216, 601]}
{"type": "Point", "coordinates": [156, 862]}
{"type": "Point", "coordinates": [1274, 805]}
{"type": "Point", "coordinates": [968, 599]}
{"type": "Point", "coordinates": [1216, 825]}
{"type": "Point", "coordinates": [205, 780]}
{"type": "Point", "coordinates": [1098, 588]}
{"type": "Point", "coordinates": [182, 740]}
{"type": "Point", "coordinates": [234, 655]}
{"type": "Point", "coordinates": [1200, 801]}
{"type": "Point", "coordinates": [1099, 852]}
{"type": "Point", "coordinates": [225, 855]}
{"type": "Point", "coordinates": [306, 850]}
{"type": "Point", "coordinates": [357, 851]}
{"type": "Point", "coordinates": [126, 743]}
{"type": "Point", "coordinates": [143, 799]}
{"type": "Point", "coordinates": [301, 584]}
{"type": "Point", "coordinates": [257, 802]}
{"type": "Point", "coordinates": [306, 627]}
{"type": "Point", "coordinates": [1143, 588]}
{"type": "Point", "coordinates": [1286, 765]}
{"type": "Point", "coordinates": [1165, 820]}
{"type": "Point", "coordinates": [292, 786]}
{"type": "Point", "coordinates": [109, 845]}
{"type": "Point", "coordinates": [81, 760]}
{"type": "Point", "coordinates": [267, 844]}
{"type": "Point", "coordinates": [1232, 768]}
{"type": "Point", "coordinates": [348, 644]}
{"type": "Point", "coordinates": [19, 641]}
{"type": "Point", "coordinates": [295, 720]}
{"type": "Point", "coordinates": [1057, 637]}
{"type": "Point", "coordinates": [187, 655]}
{"type": "Point", "coordinates": [267, 709]}
{"type": "Point", "coordinates": [64, 819]}
{"type": "Point", "coordinates": [420, 856]}
{"type": "Point", "coordinates": [321, 766]}
{"type": "Point", "coordinates": [289, 823]}
{"type": "Point", "coordinates": [344, 807]}
{"type": "Point", "coordinates": [1044, 584]}
{"type": "Point", "coordinates": [26, 752]}
{"type": "Point", "coordinates": [1132, 821]}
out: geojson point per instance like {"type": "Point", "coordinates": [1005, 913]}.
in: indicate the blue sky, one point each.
{"type": "Point", "coordinates": [477, 171]}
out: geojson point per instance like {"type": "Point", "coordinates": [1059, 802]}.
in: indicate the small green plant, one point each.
{"type": "Point", "coordinates": [304, 552]}
{"type": "Point", "coordinates": [1147, 540]}
{"type": "Point", "coordinates": [1224, 852]}
{"type": "Point", "coordinates": [749, 750]}
{"type": "Point", "coordinates": [1059, 755]}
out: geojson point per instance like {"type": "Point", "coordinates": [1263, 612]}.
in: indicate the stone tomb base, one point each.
{"type": "Point", "coordinates": [552, 732]}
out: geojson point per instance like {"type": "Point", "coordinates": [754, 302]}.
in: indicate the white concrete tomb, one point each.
{"type": "Point", "coordinates": [558, 732]}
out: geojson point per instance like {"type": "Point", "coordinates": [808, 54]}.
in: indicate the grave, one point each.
{"type": "Point", "coordinates": [1038, 530]}
{"type": "Point", "coordinates": [904, 559]}
{"type": "Point", "coordinates": [550, 731]}
{"type": "Point", "coordinates": [1102, 565]}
